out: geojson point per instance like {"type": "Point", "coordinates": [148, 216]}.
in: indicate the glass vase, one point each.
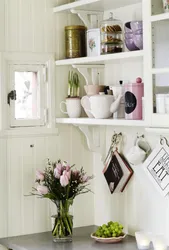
{"type": "Point", "coordinates": [63, 222]}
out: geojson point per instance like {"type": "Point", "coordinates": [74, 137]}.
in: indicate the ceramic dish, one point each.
{"type": "Point", "coordinates": [108, 240]}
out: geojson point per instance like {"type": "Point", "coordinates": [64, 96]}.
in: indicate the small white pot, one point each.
{"type": "Point", "coordinates": [73, 107]}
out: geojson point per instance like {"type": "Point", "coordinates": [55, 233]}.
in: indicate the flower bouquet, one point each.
{"type": "Point", "coordinates": [61, 183]}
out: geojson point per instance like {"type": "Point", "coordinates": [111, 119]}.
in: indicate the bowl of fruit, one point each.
{"type": "Point", "coordinates": [112, 232]}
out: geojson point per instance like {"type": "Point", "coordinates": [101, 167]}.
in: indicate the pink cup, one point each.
{"type": "Point", "coordinates": [133, 100]}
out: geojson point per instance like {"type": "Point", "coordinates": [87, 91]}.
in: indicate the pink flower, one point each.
{"type": "Point", "coordinates": [42, 189]}
{"type": "Point", "coordinates": [66, 165]}
{"type": "Point", "coordinates": [40, 175]}
{"type": "Point", "coordinates": [76, 173]}
{"type": "Point", "coordinates": [85, 178]}
{"type": "Point", "coordinates": [69, 174]}
{"type": "Point", "coordinates": [64, 179]}
{"type": "Point", "coordinates": [58, 170]}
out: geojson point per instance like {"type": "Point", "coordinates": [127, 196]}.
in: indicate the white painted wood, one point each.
{"type": "Point", "coordinates": [105, 122]}
{"type": "Point", "coordinates": [3, 189]}
{"type": "Point", "coordinates": [156, 71]}
{"type": "Point", "coordinates": [160, 17]}
{"type": "Point", "coordinates": [147, 43]}
{"type": "Point", "coordinates": [100, 59]}
{"type": "Point", "coordinates": [25, 26]}
{"type": "Point", "coordinates": [12, 11]}
{"type": "Point", "coordinates": [2, 21]}
{"type": "Point", "coordinates": [96, 5]}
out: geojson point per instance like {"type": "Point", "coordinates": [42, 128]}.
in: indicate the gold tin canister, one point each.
{"type": "Point", "coordinates": [75, 41]}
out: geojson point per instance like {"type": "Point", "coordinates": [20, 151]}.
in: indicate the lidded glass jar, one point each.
{"type": "Point", "coordinates": [111, 36]}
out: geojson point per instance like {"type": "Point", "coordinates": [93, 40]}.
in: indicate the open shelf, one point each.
{"type": "Point", "coordinates": [95, 5]}
{"type": "Point", "coordinates": [103, 122]}
{"type": "Point", "coordinates": [160, 17]}
{"type": "Point", "coordinates": [102, 59]}
{"type": "Point", "coordinates": [160, 71]}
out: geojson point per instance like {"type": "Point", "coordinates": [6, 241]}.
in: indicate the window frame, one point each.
{"type": "Point", "coordinates": [17, 58]}
{"type": "Point", "coordinates": [27, 122]}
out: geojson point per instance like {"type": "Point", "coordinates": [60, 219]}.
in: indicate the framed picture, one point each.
{"type": "Point", "coordinates": [157, 167]}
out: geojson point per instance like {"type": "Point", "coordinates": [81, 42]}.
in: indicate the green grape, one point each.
{"type": "Point", "coordinates": [114, 234]}
{"type": "Point", "coordinates": [120, 226]}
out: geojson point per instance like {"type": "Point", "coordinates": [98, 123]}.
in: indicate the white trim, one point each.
{"type": "Point", "coordinates": [94, 5]}
{"type": "Point", "coordinates": [160, 70]}
{"type": "Point", "coordinates": [102, 122]}
{"type": "Point", "coordinates": [160, 17]}
{"type": "Point", "coordinates": [73, 5]}
{"type": "Point", "coordinates": [28, 132]}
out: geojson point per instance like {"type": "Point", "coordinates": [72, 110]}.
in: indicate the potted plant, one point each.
{"type": "Point", "coordinates": [73, 102]}
{"type": "Point", "coordinates": [73, 85]}
{"type": "Point", "coordinates": [61, 183]}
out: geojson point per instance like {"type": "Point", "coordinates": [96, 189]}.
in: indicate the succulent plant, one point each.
{"type": "Point", "coordinates": [73, 84]}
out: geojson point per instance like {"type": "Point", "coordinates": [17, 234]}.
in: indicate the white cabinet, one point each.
{"type": "Point", "coordinates": [157, 58]}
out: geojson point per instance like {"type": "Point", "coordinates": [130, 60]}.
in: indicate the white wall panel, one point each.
{"type": "Point", "coordinates": [27, 214]}
{"type": "Point", "coordinates": [3, 190]}
{"type": "Point", "coordinates": [26, 26]}
{"type": "Point", "coordinates": [2, 22]}
{"type": "Point", "coordinates": [12, 12]}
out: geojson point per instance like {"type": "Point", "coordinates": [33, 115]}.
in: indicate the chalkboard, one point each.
{"type": "Point", "coordinates": [130, 102]}
{"type": "Point", "coordinates": [113, 173]}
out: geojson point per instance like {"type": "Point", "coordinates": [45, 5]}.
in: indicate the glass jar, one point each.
{"type": "Point", "coordinates": [111, 36]}
{"type": "Point", "coordinates": [75, 41]}
{"type": "Point", "coordinates": [62, 221]}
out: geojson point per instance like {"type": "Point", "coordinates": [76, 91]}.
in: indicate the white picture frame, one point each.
{"type": "Point", "coordinates": [157, 167]}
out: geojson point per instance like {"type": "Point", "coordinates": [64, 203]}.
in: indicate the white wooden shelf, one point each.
{"type": "Point", "coordinates": [103, 122]}
{"type": "Point", "coordinates": [160, 71]}
{"type": "Point", "coordinates": [102, 59]}
{"type": "Point", "coordinates": [95, 5]}
{"type": "Point", "coordinates": [160, 17]}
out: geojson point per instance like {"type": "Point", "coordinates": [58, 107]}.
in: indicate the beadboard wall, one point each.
{"type": "Point", "coordinates": [30, 26]}
{"type": "Point", "coordinates": [140, 206]}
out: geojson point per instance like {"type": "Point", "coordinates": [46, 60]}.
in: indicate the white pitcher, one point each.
{"type": "Point", "coordinates": [101, 106]}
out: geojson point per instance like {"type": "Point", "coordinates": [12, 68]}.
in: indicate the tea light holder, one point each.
{"type": "Point", "coordinates": [159, 243]}
{"type": "Point", "coordinates": [143, 240]}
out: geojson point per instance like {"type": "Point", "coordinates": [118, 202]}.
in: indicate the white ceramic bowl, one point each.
{"type": "Point", "coordinates": [108, 240]}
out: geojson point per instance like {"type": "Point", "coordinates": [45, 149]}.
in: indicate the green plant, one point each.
{"type": "Point", "coordinates": [73, 84]}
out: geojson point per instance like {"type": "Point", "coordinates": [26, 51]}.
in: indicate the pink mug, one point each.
{"type": "Point", "coordinates": [133, 100]}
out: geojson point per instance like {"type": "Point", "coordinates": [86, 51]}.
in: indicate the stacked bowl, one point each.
{"type": "Point", "coordinates": [134, 35]}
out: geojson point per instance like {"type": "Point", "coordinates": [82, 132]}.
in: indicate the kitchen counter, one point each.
{"type": "Point", "coordinates": [81, 241]}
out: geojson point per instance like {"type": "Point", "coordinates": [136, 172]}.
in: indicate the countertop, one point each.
{"type": "Point", "coordinates": [81, 241]}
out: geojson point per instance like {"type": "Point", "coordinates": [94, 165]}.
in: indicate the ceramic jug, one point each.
{"type": "Point", "coordinates": [101, 106]}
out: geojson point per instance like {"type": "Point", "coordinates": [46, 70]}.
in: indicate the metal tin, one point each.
{"type": "Point", "coordinates": [75, 41]}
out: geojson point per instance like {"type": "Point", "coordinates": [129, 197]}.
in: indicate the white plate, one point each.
{"type": "Point", "coordinates": [108, 240]}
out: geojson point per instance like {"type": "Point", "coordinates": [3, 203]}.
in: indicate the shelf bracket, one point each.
{"type": "Point", "coordinates": [90, 18]}
{"type": "Point", "coordinates": [95, 137]}
{"type": "Point", "coordinates": [93, 74]}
